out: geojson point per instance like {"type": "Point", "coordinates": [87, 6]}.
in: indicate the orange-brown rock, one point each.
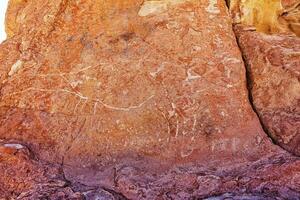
{"type": "Point", "coordinates": [273, 63]}
{"type": "Point", "coordinates": [274, 71]}
{"type": "Point", "coordinates": [133, 99]}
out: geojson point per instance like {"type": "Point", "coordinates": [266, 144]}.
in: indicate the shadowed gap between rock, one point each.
{"type": "Point", "coordinates": [249, 85]}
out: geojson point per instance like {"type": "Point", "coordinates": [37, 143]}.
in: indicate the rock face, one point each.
{"type": "Point", "coordinates": [274, 70]}
{"type": "Point", "coordinates": [133, 99]}
{"type": "Point", "coordinates": [25, 177]}
{"type": "Point", "coordinates": [273, 63]}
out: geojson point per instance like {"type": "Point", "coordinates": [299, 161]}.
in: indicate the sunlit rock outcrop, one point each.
{"type": "Point", "coordinates": [132, 99]}
{"type": "Point", "coordinates": [268, 16]}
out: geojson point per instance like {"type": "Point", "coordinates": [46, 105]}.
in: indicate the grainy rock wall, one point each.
{"type": "Point", "coordinates": [148, 100]}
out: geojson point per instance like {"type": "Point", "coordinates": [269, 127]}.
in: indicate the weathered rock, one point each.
{"type": "Point", "coordinates": [274, 69]}
{"type": "Point", "coordinates": [268, 16]}
{"type": "Point", "coordinates": [116, 88]}
{"type": "Point", "coordinates": [24, 177]}
{"type": "Point", "coordinates": [135, 99]}
{"type": "Point", "coordinates": [273, 63]}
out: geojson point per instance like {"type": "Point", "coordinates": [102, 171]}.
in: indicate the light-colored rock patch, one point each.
{"type": "Point", "coordinates": [157, 7]}
{"type": "Point", "coordinates": [15, 67]}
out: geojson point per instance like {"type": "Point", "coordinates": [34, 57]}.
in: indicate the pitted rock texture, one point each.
{"type": "Point", "coordinates": [133, 100]}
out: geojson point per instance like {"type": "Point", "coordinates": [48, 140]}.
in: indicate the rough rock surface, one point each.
{"type": "Point", "coordinates": [274, 71]}
{"type": "Point", "coordinates": [268, 16]}
{"type": "Point", "coordinates": [132, 99]}
{"type": "Point", "coordinates": [273, 64]}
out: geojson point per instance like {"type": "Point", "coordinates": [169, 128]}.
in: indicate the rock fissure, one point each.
{"type": "Point", "coordinates": [261, 67]}
{"type": "Point", "coordinates": [248, 81]}
{"type": "Point", "coordinates": [250, 97]}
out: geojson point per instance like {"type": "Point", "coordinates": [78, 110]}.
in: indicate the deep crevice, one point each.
{"type": "Point", "coordinates": [250, 97]}
{"type": "Point", "coordinates": [249, 84]}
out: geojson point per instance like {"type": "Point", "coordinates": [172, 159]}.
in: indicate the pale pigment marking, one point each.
{"type": "Point", "coordinates": [228, 72]}
{"type": "Point", "coordinates": [177, 128]}
{"type": "Point", "coordinates": [190, 75]}
{"type": "Point", "coordinates": [124, 108]}
{"type": "Point", "coordinates": [161, 68]}
{"type": "Point", "coordinates": [74, 84]}
{"type": "Point", "coordinates": [15, 67]}
{"type": "Point", "coordinates": [223, 145]}
{"type": "Point", "coordinates": [84, 105]}
{"type": "Point", "coordinates": [77, 106]}
{"type": "Point", "coordinates": [48, 18]}
{"type": "Point", "coordinates": [165, 117]}
{"type": "Point", "coordinates": [157, 7]}
{"type": "Point", "coordinates": [69, 73]}
{"type": "Point", "coordinates": [232, 60]}
{"type": "Point", "coordinates": [222, 113]}
{"type": "Point", "coordinates": [95, 108]}
{"type": "Point", "coordinates": [212, 7]}
{"type": "Point", "coordinates": [82, 97]}
{"type": "Point", "coordinates": [15, 146]}
{"type": "Point", "coordinates": [219, 145]}
{"type": "Point", "coordinates": [259, 140]}
{"type": "Point", "coordinates": [235, 144]}
{"type": "Point", "coordinates": [172, 113]}
{"type": "Point", "coordinates": [197, 48]}
{"type": "Point", "coordinates": [186, 153]}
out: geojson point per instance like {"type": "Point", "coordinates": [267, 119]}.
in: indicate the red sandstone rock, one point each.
{"type": "Point", "coordinates": [273, 63]}
{"type": "Point", "coordinates": [134, 99]}
{"type": "Point", "coordinates": [274, 69]}
{"type": "Point", "coordinates": [25, 177]}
